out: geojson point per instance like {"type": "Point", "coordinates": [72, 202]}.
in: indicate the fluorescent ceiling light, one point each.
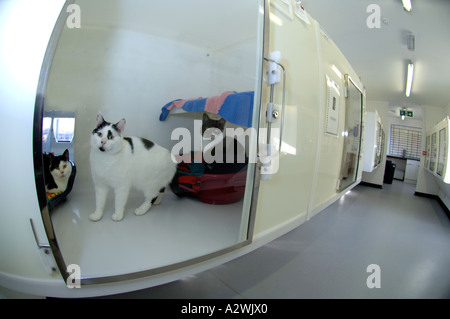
{"type": "Point", "coordinates": [409, 78]}
{"type": "Point", "coordinates": [407, 5]}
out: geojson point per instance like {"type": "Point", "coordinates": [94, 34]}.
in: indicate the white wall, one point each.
{"type": "Point", "coordinates": [330, 154]}
{"type": "Point", "coordinates": [123, 74]}
{"type": "Point", "coordinates": [132, 75]}
{"type": "Point", "coordinates": [377, 175]}
{"type": "Point", "coordinates": [25, 28]}
{"type": "Point", "coordinates": [444, 189]}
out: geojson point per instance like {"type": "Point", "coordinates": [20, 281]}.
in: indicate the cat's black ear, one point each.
{"type": "Point", "coordinates": [120, 125]}
{"type": "Point", "coordinates": [205, 117]}
{"type": "Point", "coordinates": [66, 154]}
{"type": "Point", "coordinates": [100, 119]}
{"type": "Point", "coordinates": [222, 122]}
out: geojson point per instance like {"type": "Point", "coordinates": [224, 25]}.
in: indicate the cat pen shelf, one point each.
{"type": "Point", "coordinates": [437, 151]}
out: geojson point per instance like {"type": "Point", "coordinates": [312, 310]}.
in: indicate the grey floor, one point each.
{"type": "Point", "coordinates": [407, 236]}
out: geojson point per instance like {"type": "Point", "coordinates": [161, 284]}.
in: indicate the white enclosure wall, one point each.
{"type": "Point", "coordinates": [25, 28]}
{"type": "Point", "coordinates": [373, 142]}
{"type": "Point", "coordinates": [426, 182]}
{"type": "Point", "coordinates": [310, 167]}
{"type": "Point", "coordinates": [377, 176]}
{"type": "Point", "coordinates": [333, 68]}
{"type": "Point", "coordinates": [276, 207]}
{"type": "Point", "coordinates": [115, 65]}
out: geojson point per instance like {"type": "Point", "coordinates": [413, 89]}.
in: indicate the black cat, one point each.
{"type": "Point", "coordinates": [234, 158]}
{"type": "Point", "coordinates": [57, 170]}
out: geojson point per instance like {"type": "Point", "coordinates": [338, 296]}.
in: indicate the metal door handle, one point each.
{"type": "Point", "coordinates": [275, 113]}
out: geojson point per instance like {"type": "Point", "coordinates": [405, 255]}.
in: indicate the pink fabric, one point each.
{"type": "Point", "coordinates": [177, 104]}
{"type": "Point", "coordinates": [214, 103]}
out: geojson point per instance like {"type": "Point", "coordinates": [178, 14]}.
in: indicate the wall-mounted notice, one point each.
{"type": "Point", "coordinates": [284, 6]}
{"type": "Point", "coordinates": [332, 111]}
{"type": "Point", "coordinates": [300, 12]}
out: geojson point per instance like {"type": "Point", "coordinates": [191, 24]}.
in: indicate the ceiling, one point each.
{"type": "Point", "coordinates": [380, 55]}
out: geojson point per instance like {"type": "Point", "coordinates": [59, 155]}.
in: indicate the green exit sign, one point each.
{"type": "Point", "coordinates": [406, 113]}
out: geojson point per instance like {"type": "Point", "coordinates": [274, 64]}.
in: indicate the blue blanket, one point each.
{"type": "Point", "coordinates": [234, 107]}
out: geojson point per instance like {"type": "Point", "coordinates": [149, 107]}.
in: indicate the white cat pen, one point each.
{"type": "Point", "coordinates": [289, 97]}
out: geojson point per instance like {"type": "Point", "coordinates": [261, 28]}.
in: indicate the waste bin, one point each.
{"type": "Point", "coordinates": [389, 172]}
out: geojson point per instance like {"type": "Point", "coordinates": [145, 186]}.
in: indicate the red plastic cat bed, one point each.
{"type": "Point", "coordinates": [221, 189]}
{"type": "Point", "coordinates": [212, 184]}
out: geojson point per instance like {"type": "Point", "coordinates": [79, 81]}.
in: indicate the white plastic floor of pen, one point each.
{"type": "Point", "coordinates": [176, 230]}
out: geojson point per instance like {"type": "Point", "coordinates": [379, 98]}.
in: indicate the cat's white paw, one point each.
{"type": "Point", "coordinates": [95, 216]}
{"type": "Point", "coordinates": [117, 217]}
{"type": "Point", "coordinates": [142, 209]}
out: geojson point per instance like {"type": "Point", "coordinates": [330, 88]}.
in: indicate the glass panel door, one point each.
{"type": "Point", "coordinates": [151, 85]}
{"type": "Point", "coordinates": [352, 134]}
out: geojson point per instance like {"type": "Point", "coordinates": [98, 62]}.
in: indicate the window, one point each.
{"type": "Point", "coordinates": [406, 141]}
{"type": "Point", "coordinates": [58, 131]}
{"type": "Point", "coordinates": [46, 128]}
{"type": "Point", "coordinates": [63, 129]}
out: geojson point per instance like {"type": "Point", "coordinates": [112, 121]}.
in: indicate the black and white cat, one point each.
{"type": "Point", "coordinates": [57, 170]}
{"type": "Point", "coordinates": [224, 150]}
{"type": "Point", "coordinates": [122, 163]}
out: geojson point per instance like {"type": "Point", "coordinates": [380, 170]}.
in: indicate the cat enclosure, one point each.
{"type": "Point", "coordinates": [290, 99]}
{"type": "Point", "coordinates": [129, 63]}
